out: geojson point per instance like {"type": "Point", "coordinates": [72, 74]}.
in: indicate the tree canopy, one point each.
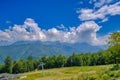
{"type": "Point", "coordinates": [114, 38]}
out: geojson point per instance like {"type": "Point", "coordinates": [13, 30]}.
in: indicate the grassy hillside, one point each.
{"type": "Point", "coordinates": [75, 73]}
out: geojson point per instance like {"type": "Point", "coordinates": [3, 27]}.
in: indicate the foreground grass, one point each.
{"type": "Point", "coordinates": [75, 73]}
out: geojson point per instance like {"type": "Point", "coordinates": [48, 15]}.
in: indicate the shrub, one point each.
{"type": "Point", "coordinates": [115, 67]}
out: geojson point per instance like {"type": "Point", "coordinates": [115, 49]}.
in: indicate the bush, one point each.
{"type": "Point", "coordinates": [115, 67]}
{"type": "Point", "coordinates": [105, 77]}
{"type": "Point", "coordinates": [2, 70]}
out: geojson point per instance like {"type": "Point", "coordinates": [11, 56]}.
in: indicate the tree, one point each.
{"type": "Point", "coordinates": [30, 58]}
{"type": "Point", "coordinates": [93, 59]}
{"type": "Point", "coordinates": [2, 68]}
{"type": "Point", "coordinates": [45, 60]}
{"type": "Point", "coordinates": [19, 67]}
{"type": "Point", "coordinates": [74, 60]}
{"type": "Point", "coordinates": [114, 38]}
{"type": "Point", "coordinates": [113, 53]}
{"type": "Point", "coordinates": [51, 63]}
{"type": "Point", "coordinates": [60, 61]}
{"type": "Point", "coordinates": [114, 50]}
{"type": "Point", "coordinates": [8, 64]}
{"type": "Point", "coordinates": [30, 63]}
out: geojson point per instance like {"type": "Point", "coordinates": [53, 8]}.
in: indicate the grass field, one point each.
{"type": "Point", "coordinates": [75, 73]}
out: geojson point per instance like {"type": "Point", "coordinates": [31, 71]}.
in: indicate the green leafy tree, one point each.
{"type": "Point", "coordinates": [114, 39]}
{"type": "Point", "coordinates": [8, 64]}
{"type": "Point", "coordinates": [114, 50]}
{"type": "Point", "coordinates": [74, 60]}
{"type": "Point", "coordinates": [30, 63]}
{"type": "Point", "coordinates": [2, 68]}
{"type": "Point", "coordinates": [100, 58]}
{"type": "Point", "coordinates": [93, 59]}
{"type": "Point", "coordinates": [60, 61]}
{"type": "Point", "coordinates": [113, 54]}
{"type": "Point", "coordinates": [18, 67]}
{"type": "Point", "coordinates": [45, 60]}
{"type": "Point", "coordinates": [51, 62]}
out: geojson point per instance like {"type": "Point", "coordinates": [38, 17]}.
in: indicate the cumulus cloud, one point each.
{"type": "Point", "coordinates": [101, 13]}
{"type": "Point", "coordinates": [4, 35]}
{"type": "Point", "coordinates": [87, 32]}
{"type": "Point", "coordinates": [30, 31]}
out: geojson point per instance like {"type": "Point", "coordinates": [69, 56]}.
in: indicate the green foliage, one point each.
{"type": "Point", "coordinates": [2, 69]}
{"type": "Point", "coordinates": [18, 67]}
{"type": "Point", "coordinates": [115, 67]}
{"type": "Point", "coordinates": [88, 59]}
{"type": "Point", "coordinates": [8, 64]}
{"type": "Point", "coordinates": [114, 39]}
{"type": "Point", "coordinates": [113, 54]}
{"type": "Point", "coordinates": [60, 61]}
{"type": "Point", "coordinates": [24, 65]}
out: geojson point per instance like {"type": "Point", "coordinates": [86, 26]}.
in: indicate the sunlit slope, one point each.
{"type": "Point", "coordinates": [75, 73]}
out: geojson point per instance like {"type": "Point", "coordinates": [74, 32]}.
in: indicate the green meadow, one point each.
{"type": "Point", "coordinates": [103, 72]}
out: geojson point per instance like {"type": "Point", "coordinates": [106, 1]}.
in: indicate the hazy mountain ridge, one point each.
{"type": "Point", "coordinates": [22, 49]}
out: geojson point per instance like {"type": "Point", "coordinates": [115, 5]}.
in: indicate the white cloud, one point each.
{"type": "Point", "coordinates": [4, 35]}
{"type": "Point", "coordinates": [102, 2]}
{"type": "Point", "coordinates": [101, 13]}
{"type": "Point", "coordinates": [62, 27]}
{"type": "Point", "coordinates": [87, 32]}
{"type": "Point", "coordinates": [99, 3]}
{"type": "Point", "coordinates": [30, 31]}
{"type": "Point", "coordinates": [104, 20]}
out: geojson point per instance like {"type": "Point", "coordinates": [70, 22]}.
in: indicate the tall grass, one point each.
{"type": "Point", "coordinates": [76, 73]}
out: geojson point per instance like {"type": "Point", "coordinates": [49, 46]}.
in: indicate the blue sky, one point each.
{"type": "Point", "coordinates": [69, 21]}
{"type": "Point", "coordinates": [48, 13]}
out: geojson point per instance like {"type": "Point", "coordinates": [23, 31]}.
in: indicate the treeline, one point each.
{"type": "Point", "coordinates": [110, 56]}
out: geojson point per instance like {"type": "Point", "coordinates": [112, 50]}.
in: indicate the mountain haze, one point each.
{"type": "Point", "coordinates": [22, 49]}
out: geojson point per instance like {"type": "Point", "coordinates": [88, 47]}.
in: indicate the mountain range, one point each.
{"type": "Point", "coordinates": [22, 49]}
